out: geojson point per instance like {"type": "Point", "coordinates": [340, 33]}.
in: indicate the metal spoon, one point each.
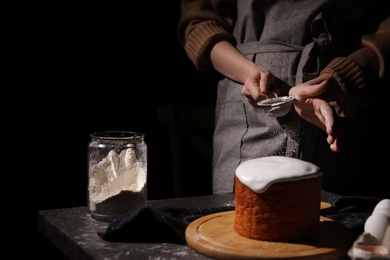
{"type": "Point", "coordinates": [277, 106]}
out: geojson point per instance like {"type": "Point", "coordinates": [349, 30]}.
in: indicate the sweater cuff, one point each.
{"type": "Point", "coordinates": [200, 42]}
{"type": "Point", "coordinates": [349, 94]}
{"type": "Point", "coordinates": [349, 74]}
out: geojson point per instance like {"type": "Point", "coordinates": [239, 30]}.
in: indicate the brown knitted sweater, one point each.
{"type": "Point", "coordinates": [204, 23]}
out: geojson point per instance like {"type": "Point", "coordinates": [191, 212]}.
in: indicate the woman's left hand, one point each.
{"type": "Point", "coordinates": [311, 106]}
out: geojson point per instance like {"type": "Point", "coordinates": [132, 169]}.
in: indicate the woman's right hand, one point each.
{"type": "Point", "coordinates": [258, 82]}
{"type": "Point", "coordinates": [259, 85]}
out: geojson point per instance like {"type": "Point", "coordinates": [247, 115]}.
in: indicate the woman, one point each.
{"type": "Point", "coordinates": [330, 55]}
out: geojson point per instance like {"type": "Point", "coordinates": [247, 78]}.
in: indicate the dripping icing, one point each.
{"type": "Point", "coordinates": [258, 174]}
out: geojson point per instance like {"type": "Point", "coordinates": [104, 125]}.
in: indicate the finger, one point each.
{"type": "Point", "coordinates": [303, 91]}
{"type": "Point", "coordinates": [252, 92]}
{"type": "Point", "coordinates": [334, 146]}
{"type": "Point", "coordinates": [325, 113]}
{"type": "Point", "coordinates": [327, 119]}
{"type": "Point", "coordinates": [266, 79]}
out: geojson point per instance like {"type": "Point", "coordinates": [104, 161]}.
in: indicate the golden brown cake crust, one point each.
{"type": "Point", "coordinates": [287, 211]}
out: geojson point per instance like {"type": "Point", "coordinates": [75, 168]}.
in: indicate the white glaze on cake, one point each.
{"type": "Point", "coordinates": [258, 174]}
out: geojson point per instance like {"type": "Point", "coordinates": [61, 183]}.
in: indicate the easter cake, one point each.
{"type": "Point", "coordinates": [277, 199]}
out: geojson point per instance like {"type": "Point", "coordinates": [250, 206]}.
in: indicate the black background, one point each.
{"type": "Point", "coordinates": [108, 66]}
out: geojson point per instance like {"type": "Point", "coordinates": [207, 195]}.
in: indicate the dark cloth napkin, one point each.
{"type": "Point", "coordinates": [168, 225]}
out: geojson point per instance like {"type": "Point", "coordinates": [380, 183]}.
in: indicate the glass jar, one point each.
{"type": "Point", "coordinates": [117, 173]}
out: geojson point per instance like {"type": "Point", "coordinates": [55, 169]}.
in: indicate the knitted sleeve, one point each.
{"type": "Point", "coordinates": [202, 24]}
{"type": "Point", "coordinates": [359, 74]}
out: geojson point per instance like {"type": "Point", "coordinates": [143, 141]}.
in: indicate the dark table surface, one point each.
{"type": "Point", "coordinates": [74, 232]}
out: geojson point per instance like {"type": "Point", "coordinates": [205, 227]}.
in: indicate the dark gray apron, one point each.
{"type": "Point", "coordinates": [282, 36]}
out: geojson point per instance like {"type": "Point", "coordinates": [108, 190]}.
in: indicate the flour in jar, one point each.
{"type": "Point", "coordinates": [115, 176]}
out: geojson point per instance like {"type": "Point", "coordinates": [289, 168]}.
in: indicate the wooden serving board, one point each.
{"type": "Point", "coordinates": [213, 235]}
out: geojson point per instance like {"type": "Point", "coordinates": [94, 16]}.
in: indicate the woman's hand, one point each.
{"type": "Point", "coordinates": [309, 104]}
{"type": "Point", "coordinates": [259, 85]}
